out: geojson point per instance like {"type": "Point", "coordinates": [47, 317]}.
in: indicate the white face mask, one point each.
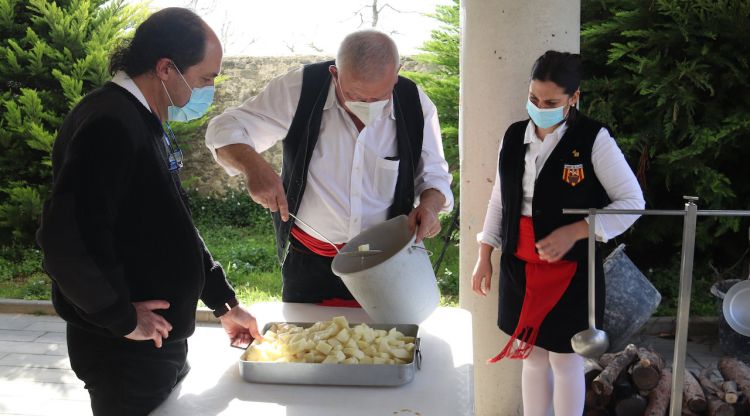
{"type": "Point", "coordinates": [367, 112]}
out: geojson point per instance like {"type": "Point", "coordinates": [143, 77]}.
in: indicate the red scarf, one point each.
{"type": "Point", "coordinates": [545, 284]}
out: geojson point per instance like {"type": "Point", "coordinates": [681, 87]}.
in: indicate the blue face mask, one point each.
{"type": "Point", "coordinates": [196, 107]}
{"type": "Point", "coordinates": [544, 118]}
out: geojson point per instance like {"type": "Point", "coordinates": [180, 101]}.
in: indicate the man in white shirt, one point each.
{"type": "Point", "coordinates": [361, 144]}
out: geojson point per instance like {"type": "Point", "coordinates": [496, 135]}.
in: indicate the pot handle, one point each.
{"type": "Point", "coordinates": [429, 253]}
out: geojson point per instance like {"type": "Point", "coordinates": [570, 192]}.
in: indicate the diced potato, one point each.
{"type": "Point", "coordinates": [341, 322]}
{"type": "Point", "coordinates": [324, 347]}
{"type": "Point", "coordinates": [340, 356]}
{"type": "Point", "coordinates": [383, 345]}
{"type": "Point", "coordinates": [343, 335]}
{"type": "Point", "coordinates": [400, 353]}
{"type": "Point", "coordinates": [393, 333]}
{"type": "Point", "coordinates": [297, 346]}
{"type": "Point", "coordinates": [334, 341]}
{"type": "Point", "coordinates": [331, 359]}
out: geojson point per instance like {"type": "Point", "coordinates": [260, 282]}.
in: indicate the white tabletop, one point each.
{"type": "Point", "coordinates": [444, 385]}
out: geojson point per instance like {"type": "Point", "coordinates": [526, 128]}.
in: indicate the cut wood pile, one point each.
{"type": "Point", "coordinates": [635, 382]}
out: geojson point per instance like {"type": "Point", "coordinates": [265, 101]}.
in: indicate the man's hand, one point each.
{"type": "Point", "coordinates": [150, 325]}
{"type": "Point", "coordinates": [553, 247]}
{"type": "Point", "coordinates": [481, 279]}
{"type": "Point", "coordinates": [241, 326]}
{"type": "Point", "coordinates": [262, 182]}
{"type": "Point", "coordinates": [424, 218]}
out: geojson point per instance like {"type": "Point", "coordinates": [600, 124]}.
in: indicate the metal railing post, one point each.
{"type": "Point", "coordinates": [683, 307]}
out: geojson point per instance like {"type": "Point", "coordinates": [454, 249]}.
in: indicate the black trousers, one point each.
{"type": "Point", "coordinates": [125, 377]}
{"type": "Point", "coordinates": [307, 277]}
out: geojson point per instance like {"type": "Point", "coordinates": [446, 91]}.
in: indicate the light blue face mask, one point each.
{"type": "Point", "coordinates": [200, 99]}
{"type": "Point", "coordinates": [547, 117]}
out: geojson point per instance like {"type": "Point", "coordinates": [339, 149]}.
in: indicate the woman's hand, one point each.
{"type": "Point", "coordinates": [553, 247]}
{"type": "Point", "coordinates": [481, 279]}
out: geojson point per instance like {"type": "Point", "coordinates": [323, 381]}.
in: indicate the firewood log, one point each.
{"type": "Point", "coordinates": [647, 369]}
{"type": "Point", "coordinates": [718, 407]}
{"type": "Point", "coordinates": [711, 387]}
{"type": "Point", "coordinates": [591, 369]}
{"type": "Point", "coordinates": [634, 405]}
{"type": "Point", "coordinates": [693, 397]}
{"type": "Point", "coordinates": [730, 391]}
{"type": "Point", "coordinates": [735, 370]}
{"type": "Point", "coordinates": [602, 384]}
{"type": "Point", "coordinates": [658, 399]}
{"type": "Point", "coordinates": [595, 401]}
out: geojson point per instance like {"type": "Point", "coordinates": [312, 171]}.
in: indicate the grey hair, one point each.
{"type": "Point", "coordinates": [368, 54]}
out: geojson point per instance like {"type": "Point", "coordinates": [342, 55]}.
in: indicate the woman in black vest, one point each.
{"type": "Point", "coordinates": [557, 159]}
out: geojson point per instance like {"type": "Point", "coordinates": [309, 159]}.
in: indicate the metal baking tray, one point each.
{"type": "Point", "coordinates": [336, 374]}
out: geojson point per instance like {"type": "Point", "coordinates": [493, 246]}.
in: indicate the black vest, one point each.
{"type": "Point", "coordinates": [553, 190]}
{"type": "Point", "coordinates": [302, 137]}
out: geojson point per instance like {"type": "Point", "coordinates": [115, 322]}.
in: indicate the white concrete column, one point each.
{"type": "Point", "coordinates": [500, 41]}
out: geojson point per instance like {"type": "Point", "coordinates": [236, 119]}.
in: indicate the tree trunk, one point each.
{"type": "Point", "coordinates": [602, 384]}
{"type": "Point", "coordinates": [658, 399]}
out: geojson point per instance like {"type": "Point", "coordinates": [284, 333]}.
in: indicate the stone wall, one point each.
{"type": "Point", "coordinates": [244, 77]}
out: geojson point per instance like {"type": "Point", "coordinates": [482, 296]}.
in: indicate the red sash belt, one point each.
{"type": "Point", "coordinates": [318, 247]}
{"type": "Point", "coordinates": [324, 249]}
{"type": "Point", "coordinates": [545, 285]}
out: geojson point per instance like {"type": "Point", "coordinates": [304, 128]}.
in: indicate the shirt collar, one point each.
{"type": "Point", "coordinates": [122, 79]}
{"type": "Point", "coordinates": [331, 101]}
{"type": "Point", "coordinates": [556, 135]}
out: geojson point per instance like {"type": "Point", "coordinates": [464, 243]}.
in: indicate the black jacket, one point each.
{"type": "Point", "coordinates": [117, 228]}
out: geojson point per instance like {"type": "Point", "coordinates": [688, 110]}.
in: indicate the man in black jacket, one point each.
{"type": "Point", "coordinates": [128, 265]}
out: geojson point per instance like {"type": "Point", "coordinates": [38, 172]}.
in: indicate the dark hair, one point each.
{"type": "Point", "coordinates": [175, 33]}
{"type": "Point", "coordinates": [562, 68]}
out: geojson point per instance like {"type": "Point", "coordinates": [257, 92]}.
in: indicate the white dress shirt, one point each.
{"type": "Point", "coordinates": [350, 183]}
{"type": "Point", "coordinates": [611, 170]}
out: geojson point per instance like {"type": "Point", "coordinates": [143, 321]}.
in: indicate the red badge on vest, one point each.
{"type": "Point", "coordinates": [572, 174]}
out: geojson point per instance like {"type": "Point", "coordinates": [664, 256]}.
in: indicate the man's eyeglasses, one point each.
{"type": "Point", "coordinates": [175, 153]}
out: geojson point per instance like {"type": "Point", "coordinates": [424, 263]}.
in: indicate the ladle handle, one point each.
{"type": "Point", "coordinates": [296, 218]}
{"type": "Point", "coordinates": [592, 268]}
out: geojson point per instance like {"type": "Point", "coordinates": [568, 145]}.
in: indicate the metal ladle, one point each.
{"type": "Point", "coordinates": [592, 342]}
{"type": "Point", "coordinates": [358, 253]}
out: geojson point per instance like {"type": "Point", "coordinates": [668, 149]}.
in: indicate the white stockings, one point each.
{"type": "Point", "coordinates": [552, 381]}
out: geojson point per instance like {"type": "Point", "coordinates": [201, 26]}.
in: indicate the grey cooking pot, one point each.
{"type": "Point", "coordinates": [736, 307]}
